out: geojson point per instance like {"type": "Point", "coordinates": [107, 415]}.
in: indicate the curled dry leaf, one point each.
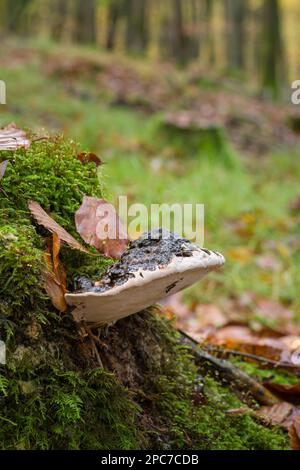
{"type": "Point", "coordinates": [12, 138]}
{"type": "Point", "coordinates": [54, 277]}
{"type": "Point", "coordinates": [99, 225]}
{"type": "Point", "coordinates": [294, 434]}
{"type": "Point", "coordinates": [3, 166]}
{"type": "Point", "coordinates": [44, 219]}
{"type": "Point", "coordinates": [281, 414]}
{"type": "Point", "coordinates": [285, 415]}
{"type": "Point", "coordinates": [87, 157]}
{"type": "Point", "coordinates": [242, 339]}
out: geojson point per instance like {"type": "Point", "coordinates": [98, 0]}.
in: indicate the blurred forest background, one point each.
{"type": "Point", "coordinates": [183, 101]}
{"type": "Point", "coordinates": [256, 39]}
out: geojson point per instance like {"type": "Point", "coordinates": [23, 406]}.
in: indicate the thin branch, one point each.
{"type": "Point", "coordinates": [230, 372]}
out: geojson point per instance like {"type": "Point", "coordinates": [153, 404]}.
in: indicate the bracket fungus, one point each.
{"type": "Point", "coordinates": [154, 266]}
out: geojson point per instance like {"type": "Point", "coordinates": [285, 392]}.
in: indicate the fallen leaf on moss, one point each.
{"type": "Point", "coordinates": [99, 225]}
{"type": "Point", "coordinates": [44, 219]}
{"type": "Point", "coordinates": [281, 414]}
{"type": "Point", "coordinates": [294, 434]}
{"type": "Point", "coordinates": [12, 138]}
{"type": "Point", "coordinates": [3, 166]}
{"type": "Point", "coordinates": [87, 157]}
{"type": "Point", "coordinates": [55, 280]}
{"type": "Point", "coordinates": [285, 415]}
{"type": "Point", "coordinates": [54, 290]}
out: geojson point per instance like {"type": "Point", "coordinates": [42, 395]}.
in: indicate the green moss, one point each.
{"type": "Point", "coordinates": [49, 173]}
{"type": "Point", "coordinates": [222, 431]}
{"type": "Point", "coordinates": [21, 261]}
{"type": "Point", "coordinates": [67, 410]}
{"type": "Point", "coordinates": [210, 143]}
{"type": "Point", "coordinates": [193, 409]}
{"type": "Point", "coordinates": [274, 375]}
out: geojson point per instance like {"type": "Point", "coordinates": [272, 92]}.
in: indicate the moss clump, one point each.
{"type": "Point", "coordinates": [209, 143]}
{"type": "Point", "coordinates": [53, 394]}
{"type": "Point", "coordinates": [275, 375]}
{"type": "Point", "coordinates": [49, 173]}
{"type": "Point", "coordinates": [223, 432]}
{"type": "Point", "coordinates": [21, 261]}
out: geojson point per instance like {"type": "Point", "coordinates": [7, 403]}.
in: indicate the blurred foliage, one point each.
{"type": "Point", "coordinates": [253, 39]}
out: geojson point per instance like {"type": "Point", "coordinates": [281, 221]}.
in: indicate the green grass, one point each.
{"type": "Point", "coordinates": [145, 165]}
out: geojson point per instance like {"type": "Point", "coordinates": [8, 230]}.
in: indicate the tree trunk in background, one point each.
{"type": "Point", "coordinates": [115, 11]}
{"type": "Point", "coordinates": [272, 47]}
{"type": "Point", "coordinates": [85, 21]}
{"type": "Point", "coordinates": [235, 15]}
{"type": "Point", "coordinates": [59, 19]}
{"type": "Point", "coordinates": [209, 37]}
{"type": "Point", "coordinates": [14, 16]}
{"type": "Point", "coordinates": [179, 39]}
{"type": "Point", "coordinates": [136, 27]}
{"type": "Point", "coordinates": [194, 36]}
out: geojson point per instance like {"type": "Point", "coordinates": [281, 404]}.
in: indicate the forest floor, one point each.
{"type": "Point", "coordinates": [122, 109]}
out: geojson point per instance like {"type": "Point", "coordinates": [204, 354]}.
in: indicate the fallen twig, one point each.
{"type": "Point", "coordinates": [234, 352]}
{"type": "Point", "coordinates": [230, 372]}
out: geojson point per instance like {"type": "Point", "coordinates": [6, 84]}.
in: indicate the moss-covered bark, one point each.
{"type": "Point", "coordinates": [53, 392]}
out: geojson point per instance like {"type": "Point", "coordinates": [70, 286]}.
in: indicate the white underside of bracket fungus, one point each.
{"type": "Point", "coordinates": [144, 289]}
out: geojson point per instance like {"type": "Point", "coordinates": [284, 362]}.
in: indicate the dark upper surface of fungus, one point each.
{"type": "Point", "coordinates": [152, 250]}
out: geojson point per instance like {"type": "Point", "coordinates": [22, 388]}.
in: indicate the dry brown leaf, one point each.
{"type": "Point", "coordinates": [87, 157]}
{"type": "Point", "coordinates": [99, 225]}
{"type": "Point", "coordinates": [281, 414]}
{"type": "Point", "coordinates": [289, 391]}
{"type": "Point", "coordinates": [54, 290]}
{"type": "Point", "coordinates": [44, 219]}
{"type": "Point", "coordinates": [294, 434]}
{"type": "Point", "coordinates": [242, 339]}
{"type": "Point", "coordinates": [12, 138]}
{"type": "Point", "coordinates": [285, 415]}
{"type": "Point", "coordinates": [54, 278]}
{"type": "Point", "coordinates": [58, 268]}
{"type": "Point", "coordinates": [3, 166]}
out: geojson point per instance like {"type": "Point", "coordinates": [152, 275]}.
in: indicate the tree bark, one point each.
{"type": "Point", "coordinates": [272, 47]}
{"type": "Point", "coordinates": [137, 27]}
{"type": "Point", "coordinates": [235, 15]}
{"type": "Point", "coordinates": [85, 21]}
{"type": "Point", "coordinates": [114, 15]}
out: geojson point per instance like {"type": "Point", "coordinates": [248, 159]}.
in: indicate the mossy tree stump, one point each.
{"type": "Point", "coordinates": [192, 136]}
{"type": "Point", "coordinates": [53, 392]}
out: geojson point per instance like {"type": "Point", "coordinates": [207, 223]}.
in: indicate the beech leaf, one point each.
{"type": "Point", "coordinates": [44, 219]}
{"type": "Point", "coordinates": [55, 280]}
{"type": "Point", "coordinates": [3, 166]}
{"type": "Point", "coordinates": [87, 157]}
{"type": "Point", "coordinates": [99, 225]}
